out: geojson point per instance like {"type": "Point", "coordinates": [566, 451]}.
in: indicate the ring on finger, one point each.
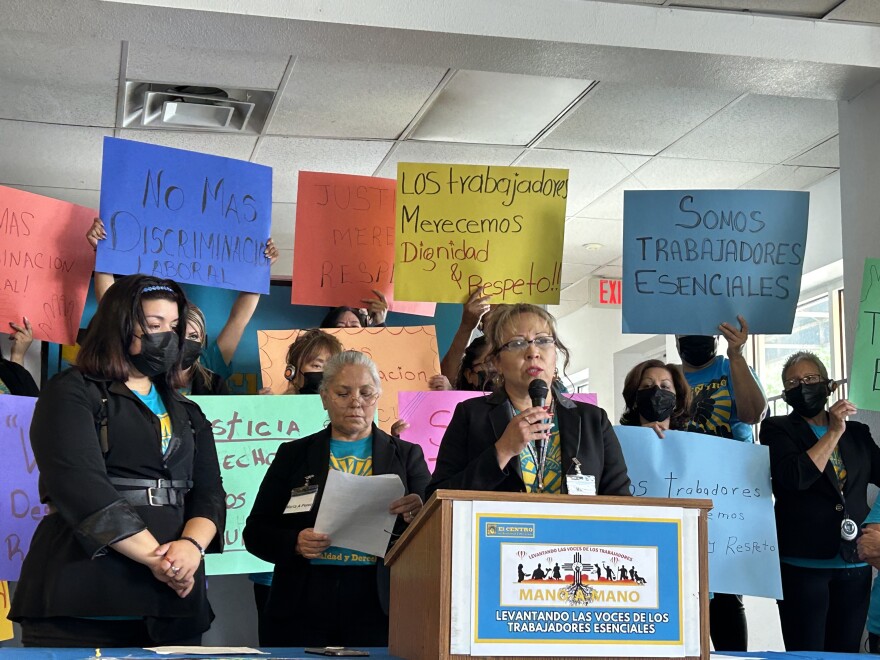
{"type": "Point", "coordinates": [175, 569]}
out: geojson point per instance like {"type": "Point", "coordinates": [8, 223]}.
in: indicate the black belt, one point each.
{"type": "Point", "coordinates": [153, 492]}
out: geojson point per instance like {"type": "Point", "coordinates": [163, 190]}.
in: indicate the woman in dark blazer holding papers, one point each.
{"type": "Point", "coordinates": [821, 465]}
{"type": "Point", "coordinates": [314, 582]}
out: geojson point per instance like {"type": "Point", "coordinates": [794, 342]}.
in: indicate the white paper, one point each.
{"type": "Point", "coordinates": [205, 650]}
{"type": "Point", "coordinates": [354, 511]}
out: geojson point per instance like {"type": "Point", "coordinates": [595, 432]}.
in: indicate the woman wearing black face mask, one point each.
{"type": "Point", "coordinates": [197, 378]}
{"type": "Point", "coordinates": [131, 483]}
{"type": "Point", "coordinates": [821, 465]}
{"type": "Point", "coordinates": [656, 395]}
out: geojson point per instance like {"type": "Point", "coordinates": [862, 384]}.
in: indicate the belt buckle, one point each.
{"type": "Point", "coordinates": [152, 498]}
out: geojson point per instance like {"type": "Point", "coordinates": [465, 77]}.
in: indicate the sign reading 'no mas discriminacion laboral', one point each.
{"type": "Point", "coordinates": [695, 259]}
{"type": "Point", "coordinates": [185, 216]}
{"type": "Point", "coordinates": [864, 385]}
{"type": "Point", "coordinates": [460, 227]}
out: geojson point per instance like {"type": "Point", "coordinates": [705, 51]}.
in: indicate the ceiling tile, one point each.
{"type": "Point", "coordinates": [412, 151]}
{"type": "Point", "coordinates": [859, 11]}
{"type": "Point", "coordinates": [47, 80]}
{"type": "Point", "coordinates": [565, 307]}
{"type": "Point", "coordinates": [686, 174]}
{"type": "Point", "coordinates": [352, 99]}
{"type": "Point", "coordinates": [581, 231]}
{"type": "Point", "coordinates": [57, 156]}
{"type": "Point", "coordinates": [571, 273]}
{"type": "Point", "coordinates": [191, 66]}
{"type": "Point", "coordinates": [760, 129]}
{"type": "Point", "coordinates": [610, 205]}
{"type": "Point", "coordinates": [283, 225]}
{"type": "Point", "coordinates": [282, 269]}
{"type": "Point", "coordinates": [806, 8]}
{"type": "Point", "coordinates": [496, 108]}
{"type": "Point", "coordinates": [826, 154]}
{"type": "Point", "coordinates": [287, 156]}
{"type": "Point", "coordinates": [216, 144]}
{"type": "Point", "coordinates": [633, 119]}
{"type": "Point", "coordinates": [578, 292]}
{"type": "Point", "coordinates": [614, 272]}
{"type": "Point", "coordinates": [88, 198]}
{"type": "Point", "coordinates": [787, 177]}
{"type": "Point", "coordinates": [590, 174]}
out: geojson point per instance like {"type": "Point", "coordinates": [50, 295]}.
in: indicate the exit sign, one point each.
{"type": "Point", "coordinates": [605, 292]}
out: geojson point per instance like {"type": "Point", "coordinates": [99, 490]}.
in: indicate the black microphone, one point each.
{"type": "Point", "coordinates": [538, 392]}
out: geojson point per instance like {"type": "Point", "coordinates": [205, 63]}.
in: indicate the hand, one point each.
{"type": "Point", "coordinates": [399, 427]}
{"type": "Point", "coordinates": [271, 252]}
{"type": "Point", "coordinates": [21, 337]}
{"type": "Point", "coordinates": [736, 339]}
{"type": "Point", "coordinates": [520, 431]}
{"type": "Point", "coordinates": [438, 383]}
{"type": "Point", "coordinates": [96, 233]}
{"type": "Point", "coordinates": [658, 428]}
{"type": "Point", "coordinates": [868, 543]}
{"type": "Point", "coordinates": [837, 415]}
{"type": "Point", "coordinates": [475, 308]}
{"type": "Point", "coordinates": [407, 506]}
{"type": "Point", "coordinates": [310, 544]}
{"type": "Point", "coordinates": [183, 588]}
{"type": "Point", "coordinates": [377, 308]}
{"type": "Point", "coordinates": [180, 560]}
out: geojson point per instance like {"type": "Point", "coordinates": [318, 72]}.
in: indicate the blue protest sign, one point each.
{"type": "Point", "coordinates": [743, 552]}
{"type": "Point", "coordinates": [21, 510]}
{"type": "Point", "coordinates": [695, 259]}
{"type": "Point", "coordinates": [185, 216]}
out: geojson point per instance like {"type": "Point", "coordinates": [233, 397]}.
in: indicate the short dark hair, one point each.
{"type": "Point", "coordinates": [681, 414]}
{"type": "Point", "coordinates": [335, 313]}
{"type": "Point", "coordinates": [104, 349]}
{"type": "Point", "coordinates": [471, 353]}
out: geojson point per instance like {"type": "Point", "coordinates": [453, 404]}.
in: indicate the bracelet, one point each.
{"type": "Point", "coordinates": [195, 543]}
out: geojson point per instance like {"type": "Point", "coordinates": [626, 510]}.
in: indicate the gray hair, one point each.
{"type": "Point", "coordinates": [804, 356]}
{"type": "Point", "coordinates": [341, 360]}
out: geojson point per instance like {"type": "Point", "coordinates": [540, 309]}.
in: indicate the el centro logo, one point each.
{"type": "Point", "coordinates": [510, 530]}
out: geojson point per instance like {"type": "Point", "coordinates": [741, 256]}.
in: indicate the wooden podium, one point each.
{"type": "Point", "coordinates": [430, 571]}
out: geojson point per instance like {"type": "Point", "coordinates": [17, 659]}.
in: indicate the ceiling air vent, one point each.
{"type": "Point", "coordinates": [166, 106]}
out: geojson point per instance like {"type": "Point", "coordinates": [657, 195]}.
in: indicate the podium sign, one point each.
{"type": "Point", "coordinates": [540, 579]}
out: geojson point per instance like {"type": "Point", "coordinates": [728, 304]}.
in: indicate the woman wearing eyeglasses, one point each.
{"type": "Point", "coordinates": [503, 443]}
{"type": "Point", "coordinates": [820, 465]}
{"type": "Point", "coordinates": [315, 583]}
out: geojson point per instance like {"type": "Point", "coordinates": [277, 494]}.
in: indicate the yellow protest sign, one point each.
{"type": "Point", "coordinates": [5, 624]}
{"type": "Point", "coordinates": [460, 227]}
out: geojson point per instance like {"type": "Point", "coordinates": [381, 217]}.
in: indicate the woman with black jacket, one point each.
{"type": "Point", "coordinates": [129, 475]}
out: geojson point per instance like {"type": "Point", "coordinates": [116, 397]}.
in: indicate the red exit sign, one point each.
{"type": "Point", "coordinates": [606, 292]}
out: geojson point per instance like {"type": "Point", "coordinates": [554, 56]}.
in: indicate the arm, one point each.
{"type": "Point", "coordinates": [22, 336]}
{"type": "Point", "coordinates": [791, 468]}
{"type": "Point", "coordinates": [820, 453]}
{"type": "Point", "coordinates": [614, 479]}
{"type": "Point", "coordinates": [103, 281]}
{"type": "Point", "coordinates": [751, 402]}
{"type": "Point", "coordinates": [206, 501]}
{"type": "Point", "coordinates": [474, 309]}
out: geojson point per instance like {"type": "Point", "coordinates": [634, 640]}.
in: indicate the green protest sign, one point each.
{"type": "Point", "coordinates": [864, 387]}
{"type": "Point", "coordinates": [248, 431]}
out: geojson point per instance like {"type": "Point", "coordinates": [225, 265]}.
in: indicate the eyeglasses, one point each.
{"type": "Point", "coordinates": [347, 398]}
{"type": "Point", "coordinates": [809, 379]}
{"type": "Point", "coordinates": [520, 344]}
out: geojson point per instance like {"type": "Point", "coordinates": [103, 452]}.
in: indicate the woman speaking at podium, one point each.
{"type": "Point", "coordinates": [526, 436]}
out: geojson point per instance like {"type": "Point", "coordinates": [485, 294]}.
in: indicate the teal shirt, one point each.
{"type": "Point", "coordinates": [874, 608]}
{"type": "Point", "coordinates": [154, 402]}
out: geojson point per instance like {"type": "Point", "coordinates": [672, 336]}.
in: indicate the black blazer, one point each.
{"type": "Point", "coordinates": [809, 508]}
{"type": "Point", "coordinates": [69, 569]}
{"type": "Point", "coordinates": [271, 535]}
{"type": "Point", "coordinates": [17, 379]}
{"type": "Point", "coordinates": [467, 458]}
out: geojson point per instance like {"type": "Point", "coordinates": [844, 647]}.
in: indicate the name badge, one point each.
{"type": "Point", "coordinates": [302, 499]}
{"type": "Point", "coordinates": [581, 484]}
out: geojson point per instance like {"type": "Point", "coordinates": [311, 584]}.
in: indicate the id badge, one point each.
{"type": "Point", "coordinates": [581, 484]}
{"type": "Point", "coordinates": [302, 499]}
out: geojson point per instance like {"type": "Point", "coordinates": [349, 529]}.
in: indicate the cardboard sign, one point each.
{"type": "Point", "coordinates": [5, 603]}
{"type": "Point", "coordinates": [406, 359]}
{"type": "Point", "coordinates": [743, 551]}
{"type": "Point", "coordinates": [20, 508]}
{"type": "Point", "coordinates": [711, 255]}
{"type": "Point", "coordinates": [864, 383]}
{"type": "Point", "coordinates": [248, 431]}
{"type": "Point", "coordinates": [429, 413]}
{"type": "Point", "coordinates": [460, 227]}
{"type": "Point", "coordinates": [185, 216]}
{"type": "Point", "coordinates": [343, 246]}
{"type": "Point", "coordinates": [45, 263]}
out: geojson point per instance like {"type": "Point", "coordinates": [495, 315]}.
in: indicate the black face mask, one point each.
{"type": "Point", "coordinates": [697, 350]}
{"type": "Point", "coordinates": [311, 382]}
{"type": "Point", "coordinates": [807, 400]}
{"type": "Point", "coordinates": [192, 350]}
{"type": "Point", "coordinates": [159, 351]}
{"type": "Point", "coordinates": [655, 404]}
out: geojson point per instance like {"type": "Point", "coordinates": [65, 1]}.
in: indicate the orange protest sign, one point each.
{"type": "Point", "coordinates": [343, 246]}
{"type": "Point", "coordinates": [406, 357]}
{"type": "Point", "coordinates": [45, 263]}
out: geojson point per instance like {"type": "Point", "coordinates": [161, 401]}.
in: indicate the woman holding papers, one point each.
{"type": "Point", "coordinates": [526, 436]}
{"type": "Point", "coordinates": [131, 483]}
{"type": "Point", "coordinates": [656, 395]}
{"type": "Point", "coordinates": [315, 582]}
{"type": "Point", "coordinates": [821, 465]}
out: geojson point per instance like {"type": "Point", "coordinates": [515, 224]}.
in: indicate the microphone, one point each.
{"type": "Point", "coordinates": [538, 393]}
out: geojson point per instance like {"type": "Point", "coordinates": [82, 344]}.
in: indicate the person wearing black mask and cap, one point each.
{"type": "Point", "coordinates": [656, 395]}
{"type": "Point", "coordinates": [821, 465]}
